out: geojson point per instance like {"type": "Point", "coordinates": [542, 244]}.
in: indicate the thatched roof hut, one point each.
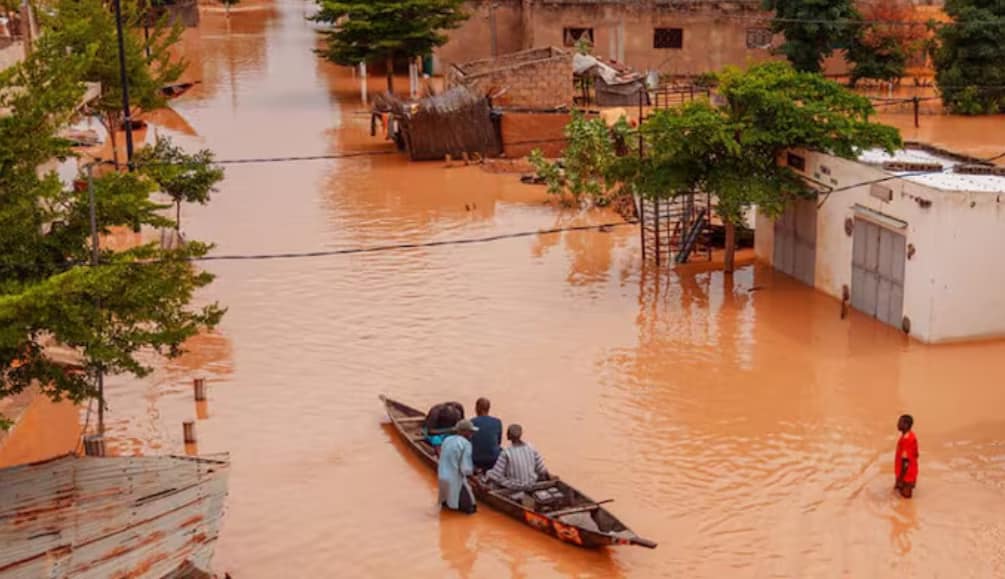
{"type": "Point", "coordinates": [453, 123]}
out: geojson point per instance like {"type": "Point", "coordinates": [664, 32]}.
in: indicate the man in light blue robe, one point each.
{"type": "Point", "coordinates": [455, 467]}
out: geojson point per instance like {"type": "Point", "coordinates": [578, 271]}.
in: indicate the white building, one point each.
{"type": "Point", "coordinates": [916, 246]}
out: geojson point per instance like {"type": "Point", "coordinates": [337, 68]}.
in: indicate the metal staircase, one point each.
{"type": "Point", "coordinates": [674, 230]}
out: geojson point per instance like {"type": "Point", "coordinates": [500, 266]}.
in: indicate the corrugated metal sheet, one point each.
{"type": "Point", "coordinates": [110, 517]}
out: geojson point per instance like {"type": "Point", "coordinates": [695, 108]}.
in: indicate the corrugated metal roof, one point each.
{"type": "Point", "coordinates": [110, 517]}
{"type": "Point", "coordinates": [947, 179]}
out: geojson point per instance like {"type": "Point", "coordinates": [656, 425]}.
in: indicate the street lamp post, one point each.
{"type": "Point", "coordinates": [125, 84]}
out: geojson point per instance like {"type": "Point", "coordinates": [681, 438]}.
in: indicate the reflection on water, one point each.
{"type": "Point", "coordinates": [738, 421]}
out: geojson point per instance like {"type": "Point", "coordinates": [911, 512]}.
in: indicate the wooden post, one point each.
{"type": "Point", "coordinates": [917, 106]}
{"type": "Point", "coordinates": [188, 429]}
{"type": "Point", "coordinates": [656, 224]}
{"type": "Point", "coordinates": [199, 386]}
{"type": "Point", "coordinates": [413, 84]}
{"type": "Point", "coordinates": [493, 34]}
{"type": "Point", "coordinates": [642, 201]}
{"type": "Point", "coordinates": [362, 81]}
{"type": "Point", "coordinates": [94, 445]}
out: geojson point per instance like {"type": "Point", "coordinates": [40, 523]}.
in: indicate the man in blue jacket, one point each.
{"type": "Point", "coordinates": [485, 443]}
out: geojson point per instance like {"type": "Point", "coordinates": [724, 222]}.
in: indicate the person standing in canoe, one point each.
{"type": "Point", "coordinates": [905, 463]}
{"type": "Point", "coordinates": [485, 443]}
{"type": "Point", "coordinates": [454, 468]}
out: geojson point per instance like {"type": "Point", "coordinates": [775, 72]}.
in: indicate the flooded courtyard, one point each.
{"type": "Point", "coordinates": [738, 421]}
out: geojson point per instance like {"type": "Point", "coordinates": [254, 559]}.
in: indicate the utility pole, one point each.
{"type": "Point", "coordinates": [494, 42]}
{"type": "Point", "coordinates": [95, 250]}
{"type": "Point", "coordinates": [27, 27]}
{"type": "Point", "coordinates": [125, 85]}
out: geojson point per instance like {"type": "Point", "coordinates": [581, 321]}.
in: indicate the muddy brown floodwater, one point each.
{"type": "Point", "coordinates": [740, 423]}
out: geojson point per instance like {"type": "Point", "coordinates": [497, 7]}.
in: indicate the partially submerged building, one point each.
{"type": "Point", "coordinates": [456, 123]}
{"type": "Point", "coordinates": [909, 239]}
{"type": "Point", "coordinates": [677, 37]}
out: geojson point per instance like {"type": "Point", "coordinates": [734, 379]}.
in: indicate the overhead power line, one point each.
{"type": "Point", "coordinates": [417, 245]}
{"type": "Point", "coordinates": [767, 19]}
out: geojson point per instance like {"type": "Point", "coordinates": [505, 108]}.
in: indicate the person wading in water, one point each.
{"type": "Point", "coordinates": [455, 467]}
{"type": "Point", "coordinates": [905, 463]}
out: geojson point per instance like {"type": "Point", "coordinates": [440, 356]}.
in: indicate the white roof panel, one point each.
{"type": "Point", "coordinates": [946, 180]}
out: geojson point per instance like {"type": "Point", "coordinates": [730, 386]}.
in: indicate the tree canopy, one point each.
{"type": "Point", "coordinates": [891, 32]}
{"type": "Point", "coordinates": [187, 178]}
{"type": "Point", "coordinates": [133, 301]}
{"type": "Point", "coordinates": [731, 151]}
{"type": "Point", "coordinates": [970, 57]}
{"type": "Point", "coordinates": [88, 27]}
{"type": "Point", "coordinates": [813, 29]}
{"type": "Point", "coordinates": [586, 171]}
{"type": "Point", "coordinates": [369, 30]}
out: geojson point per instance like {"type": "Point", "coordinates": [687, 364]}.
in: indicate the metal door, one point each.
{"type": "Point", "coordinates": [796, 241]}
{"type": "Point", "coordinates": [877, 272]}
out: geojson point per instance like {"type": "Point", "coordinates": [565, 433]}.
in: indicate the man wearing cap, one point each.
{"type": "Point", "coordinates": [520, 465]}
{"type": "Point", "coordinates": [455, 467]}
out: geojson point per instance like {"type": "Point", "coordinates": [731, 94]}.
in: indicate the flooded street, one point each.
{"type": "Point", "coordinates": [739, 423]}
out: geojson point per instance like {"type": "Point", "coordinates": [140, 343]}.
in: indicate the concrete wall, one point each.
{"type": "Point", "coordinates": [473, 40]}
{"type": "Point", "coordinates": [715, 34]}
{"type": "Point", "coordinates": [952, 284]}
{"type": "Point", "coordinates": [11, 52]}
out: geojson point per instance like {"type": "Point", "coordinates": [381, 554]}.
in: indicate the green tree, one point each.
{"type": "Point", "coordinates": [970, 57]}
{"type": "Point", "coordinates": [88, 27]}
{"type": "Point", "coordinates": [187, 178]}
{"type": "Point", "coordinates": [368, 30]}
{"type": "Point", "coordinates": [891, 32]}
{"type": "Point", "coordinates": [777, 108]}
{"type": "Point", "coordinates": [134, 301]}
{"type": "Point", "coordinates": [731, 151]}
{"type": "Point", "coordinates": [813, 29]}
{"type": "Point", "coordinates": [585, 170]}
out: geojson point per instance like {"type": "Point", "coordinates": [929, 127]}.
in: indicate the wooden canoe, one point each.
{"type": "Point", "coordinates": [572, 517]}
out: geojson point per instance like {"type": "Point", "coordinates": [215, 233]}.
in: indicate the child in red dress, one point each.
{"type": "Point", "coordinates": [905, 463]}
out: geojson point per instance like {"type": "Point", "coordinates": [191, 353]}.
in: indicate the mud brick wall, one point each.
{"type": "Point", "coordinates": [524, 132]}
{"type": "Point", "coordinates": [539, 84]}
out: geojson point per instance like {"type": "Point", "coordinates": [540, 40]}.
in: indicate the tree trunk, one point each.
{"type": "Point", "coordinates": [110, 127]}
{"type": "Point", "coordinates": [390, 73]}
{"type": "Point", "coordinates": [730, 258]}
{"type": "Point", "coordinates": [177, 215]}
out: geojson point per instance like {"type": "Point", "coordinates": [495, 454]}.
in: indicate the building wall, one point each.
{"type": "Point", "coordinates": [473, 40]}
{"type": "Point", "coordinates": [715, 33]}
{"type": "Point", "coordinates": [525, 132]}
{"type": "Point", "coordinates": [952, 285]}
{"type": "Point", "coordinates": [11, 53]}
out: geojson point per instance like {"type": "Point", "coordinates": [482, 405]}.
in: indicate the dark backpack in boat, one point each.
{"type": "Point", "coordinates": [444, 416]}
